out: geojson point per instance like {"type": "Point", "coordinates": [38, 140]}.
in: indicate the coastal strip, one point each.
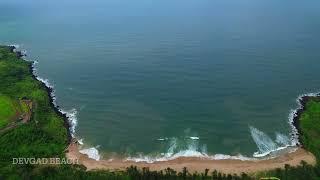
{"type": "Point", "coordinates": [67, 121]}
{"type": "Point", "coordinates": [194, 164]}
{"type": "Point", "coordinates": [295, 116]}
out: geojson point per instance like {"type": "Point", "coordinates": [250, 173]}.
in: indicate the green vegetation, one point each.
{"type": "Point", "coordinates": [24, 107]}
{"type": "Point", "coordinates": [310, 127]}
{"type": "Point", "coordinates": [12, 111]}
{"type": "Point", "coordinates": [46, 136]}
{"type": "Point", "coordinates": [7, 111]}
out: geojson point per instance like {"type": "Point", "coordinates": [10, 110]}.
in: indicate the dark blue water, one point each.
{"type": "Point", "coordinates": [145, 76]}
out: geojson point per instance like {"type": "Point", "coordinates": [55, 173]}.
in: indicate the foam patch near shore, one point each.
{"type": "Point", "coordinates": [186, 154]}
{"type": "Point", "coordinates": [92, 153]}
{"type": "Point", "coordinates": [185, 146]}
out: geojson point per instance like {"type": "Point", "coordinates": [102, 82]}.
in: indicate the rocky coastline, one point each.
{"type": "Point", "coordinates": [49, 89]}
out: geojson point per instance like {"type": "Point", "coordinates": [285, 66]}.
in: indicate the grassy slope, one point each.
{"type": "Point", "coordinates": [11, 111]}
{"type": "Point", "coordinates": [310, 127]}
{"type": "Point", "coordinates": [45, 135]}
{"type": "Point", "coordinates": [7, 110]}
{"type": "Point", "coordinates": [23, 107]}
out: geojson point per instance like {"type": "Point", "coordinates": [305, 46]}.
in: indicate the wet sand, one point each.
{"type": "Point", "coordinates": [197, 164]}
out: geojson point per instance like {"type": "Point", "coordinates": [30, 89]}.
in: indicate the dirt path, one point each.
{"type": "Point", "coordinates": [27, 115]}
{"type": "Point", "coordinates": [25, 118]}
{"type": "Point", "coordinates": [198, 164]}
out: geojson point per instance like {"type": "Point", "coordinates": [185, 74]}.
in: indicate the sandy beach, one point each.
{"type": "Point", "coordinates": [197, 164]}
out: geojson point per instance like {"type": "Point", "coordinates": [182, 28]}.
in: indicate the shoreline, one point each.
{"type": "Point", "coordinates": [199, 164]}
{"type": "Point", "coordinates": [192, 163]}
{"type": "Point", "coordinates": [195, 164]}
{"type": "Point", "coordinates": [49, 90]}
{"type": "Point", "coordinates": [296, 115]}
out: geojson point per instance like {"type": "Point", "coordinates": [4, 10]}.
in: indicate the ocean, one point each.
{"type": "Point", "coordinates": [162, 79]}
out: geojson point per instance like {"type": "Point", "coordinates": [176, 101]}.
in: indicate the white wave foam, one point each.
{"type": "Point", "coordinates": [293, 114]}
{"type": "Point", "coordinates": [80, 141]}
{"type": "Point", "coordinates": [182, 147]}
{"type": "Point", "coordinates": [16, 46]}
{"type": "Point", "coordinates": [73, 121]}
{"type": "Point", "coordinates": [267, 148]}
{"type": "Point", "coordinates": [308, 95]}
{"type": "Point", "coordinates": [167, 156]}
{"type": "Point", "coordinates": [294, 130]}
{"type": "Point", "coordinates": [266, 145]}
{"type": "Point", "coordinates": [92, 153]}
{"type": "Point", "coordinates": [176, 148]}
{"type": "Point", "coordinates": [239, 157]}
{"type": "Point", "coordinates": [263, 141]}
{"type": "Point", "coordinates": [71, 114]}
{"type": "Point", "coordinates": [185, 154]}
{"type": "Point", "coordinates": [282, 139]}
{"type": "Point", "coordinates": [194, 138]}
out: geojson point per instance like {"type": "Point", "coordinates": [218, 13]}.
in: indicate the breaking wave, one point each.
{"type": "Point", "coordinates": [188, 146]}
{"type": "Point", "coordinates": [266, 145]}
{"type": "Point", "coordinates": [263, 142]}
{"type": "Point", "coordinates": [177, 147]}
{"type": "Point", "coordinates": [92, 153]}
{"type": "Point", "coordinates": [282, 139]}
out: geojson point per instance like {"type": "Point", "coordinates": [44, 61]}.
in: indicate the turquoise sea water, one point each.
{"type": "Point", "coordinates": [173, 77]}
